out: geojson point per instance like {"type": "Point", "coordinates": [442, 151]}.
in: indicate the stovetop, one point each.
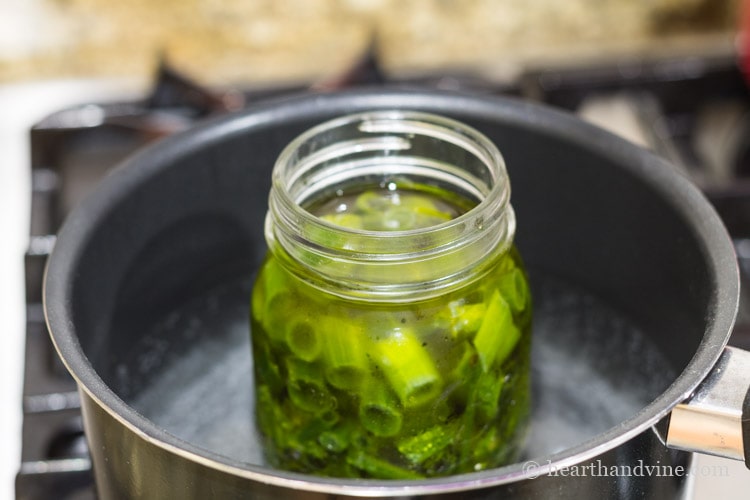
{"type": "Point", "coordinates": [694, 111]}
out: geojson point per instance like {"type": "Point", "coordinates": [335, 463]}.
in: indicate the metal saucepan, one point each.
{"type": "Point", "coordinates": [634, 279]}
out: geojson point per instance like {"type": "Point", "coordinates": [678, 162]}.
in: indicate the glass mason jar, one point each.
{"type": "Point", "coordinates": [391, 317]}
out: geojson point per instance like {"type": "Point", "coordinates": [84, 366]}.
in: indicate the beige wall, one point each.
{"type": "Point", "coordinates": [230, 41]}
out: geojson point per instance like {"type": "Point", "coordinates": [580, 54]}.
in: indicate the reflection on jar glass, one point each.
{"type": "Point", "coordinates": [391, 319]}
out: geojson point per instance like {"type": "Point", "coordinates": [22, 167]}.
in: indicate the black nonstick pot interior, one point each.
{"type": "Point", "coordinates": [633, 277]}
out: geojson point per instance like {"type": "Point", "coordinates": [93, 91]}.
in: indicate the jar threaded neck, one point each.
{"type": "Point", "coordinates": [380, 147]}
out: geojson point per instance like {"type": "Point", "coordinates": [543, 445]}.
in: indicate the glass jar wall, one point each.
{"type": "Point", "coordinates": [391, 318]}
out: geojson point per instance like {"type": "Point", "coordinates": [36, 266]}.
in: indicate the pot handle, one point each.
{"type": "Point", "coordinates": [716, 418]}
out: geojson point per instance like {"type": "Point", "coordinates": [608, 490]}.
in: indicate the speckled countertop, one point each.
{"type": "Point", "coordinates": [231, 41]}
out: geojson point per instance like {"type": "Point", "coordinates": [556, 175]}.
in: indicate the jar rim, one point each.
{"type": "Point", "coordinates": [500, 189]}
{"type": "Point", "coordinates": [390, 264]}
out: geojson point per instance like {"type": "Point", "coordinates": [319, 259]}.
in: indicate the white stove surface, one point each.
{"type": "Point", "coordinates": [22, 105]}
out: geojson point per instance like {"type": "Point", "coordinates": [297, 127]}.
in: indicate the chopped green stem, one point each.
{"type": "Point", "coordinates": [376, 467]}
{"type": "Point", "coordinates": [423, 206]}
{"type": "Point", "coordinates": [307, 388]}
{"type": "Point", "coordinates": [276, 315]}
{"type": "Point", "coordinates": [467, 367]}
{"type": "Point", "coordinates": [344, 354]}
{"type": "Point", "coordinates": [266, 367]}
{"type": "Point", "coordinates": [420, 448]}
{"type": "Point", "coordinates": [378, 410]}
{"type": "Point", "coordinates": [371, 202]}
{"type": "Point", "coordinates": [303, 340]}
{"type": "Point", "coordinates": [466, 318]}
{"type": "Point", "coordinates": [408, 367]}
{"type": "Point", "coordinates": [335, 440]}
{"type": "Point", "coordinates": [514, 289]}
{"type": "Point", "coordinates": [498, 335]}
{"type": "Point", "coordinates": [315, 426]}
{"type": "Point", "coordinates": [352, 221]}
{"type": "Point", "coordinates": [391, 211]}
{"type": "Point", "coordinates": [486, 396]}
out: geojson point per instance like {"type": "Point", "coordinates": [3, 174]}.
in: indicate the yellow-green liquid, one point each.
{"type": "Point", "coordinates": [350, 388]}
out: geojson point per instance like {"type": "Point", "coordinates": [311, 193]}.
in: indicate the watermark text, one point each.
{"type": "Point", "coordinates": [639, 469]}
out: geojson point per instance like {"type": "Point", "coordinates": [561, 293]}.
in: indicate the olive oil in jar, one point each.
{"type": "Point", "coordinates": [405, 373]}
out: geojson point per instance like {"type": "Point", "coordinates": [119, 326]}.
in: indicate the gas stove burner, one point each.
{"type": "Point", "coordinates": [174, 90]}
{"type": "Point", "coordinates": [365, 71]}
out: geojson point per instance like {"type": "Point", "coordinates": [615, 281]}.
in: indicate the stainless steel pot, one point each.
{"type": "Point", "coordinates": [634, 278]}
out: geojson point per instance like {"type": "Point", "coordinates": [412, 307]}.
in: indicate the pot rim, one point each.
{"type": "Point", "coordinates": [656, 172]}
